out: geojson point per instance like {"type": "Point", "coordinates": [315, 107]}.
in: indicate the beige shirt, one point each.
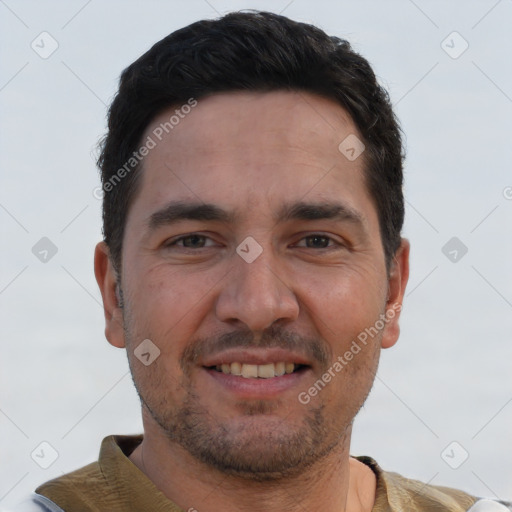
{"type": "Point", "coordinates": [115, 484]}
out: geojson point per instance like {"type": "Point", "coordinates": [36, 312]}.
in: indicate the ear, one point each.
{"type": "Point", "coordinates": [397, 281]}
{"type": "Point", "coordinates": [106, 277]}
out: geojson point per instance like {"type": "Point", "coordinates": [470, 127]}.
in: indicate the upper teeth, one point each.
{"type": "Point", "coordinates": [252, 371]}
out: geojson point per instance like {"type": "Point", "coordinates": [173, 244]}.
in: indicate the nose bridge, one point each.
{"type": "Point", "coordinates": [255, 293]}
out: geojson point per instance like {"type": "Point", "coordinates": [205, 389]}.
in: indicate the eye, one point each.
{"type": "Point", "coordinates": [192, 241]}
{"type": "Point", "coordinates": [317, 241]}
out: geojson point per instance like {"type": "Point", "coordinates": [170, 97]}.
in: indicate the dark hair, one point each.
{"type": "Point", "coordinates": [254, 51]}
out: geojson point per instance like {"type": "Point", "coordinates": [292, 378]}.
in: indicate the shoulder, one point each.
{"type": "Point", "coordinates": [90, 475]}
{"type": "Point", "coordinates": [101, 485]}
{"type": "Point", "coordinates": [434, 497]}
{"type": "Point", "coordinates": [407, 494]}
{"type": "Point", "coordinates": [34, 503]}
{"type": "Point", "coordinates": [73, 488]}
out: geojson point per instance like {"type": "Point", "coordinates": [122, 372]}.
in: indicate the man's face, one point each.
{"type": "Point", "coordinates": [253, 246]}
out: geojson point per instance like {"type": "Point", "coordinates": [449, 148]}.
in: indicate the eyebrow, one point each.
{"type": "Point", "coordinates": [319, 211]}
{"type": "Point", "coordinates": [181, 210]}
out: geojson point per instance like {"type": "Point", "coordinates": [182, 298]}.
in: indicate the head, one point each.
{"type": "Point", "coordinates": [240, 235]}
{"type": "Point", "coordinates": [248, 52]}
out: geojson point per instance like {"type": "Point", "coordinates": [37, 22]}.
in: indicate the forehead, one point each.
{"type": "Point", "coordinates": [242, 123]}
{"type": "Point", "coordinates": [253, 149]}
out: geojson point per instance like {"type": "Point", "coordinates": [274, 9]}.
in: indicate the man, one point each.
{"type": "Point", "coordinates": [253, 269]}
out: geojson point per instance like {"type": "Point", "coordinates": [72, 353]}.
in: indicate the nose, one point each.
{"type": "Point", "coordinates": [256, 294]}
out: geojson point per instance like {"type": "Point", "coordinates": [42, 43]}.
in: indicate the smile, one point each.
{"type": "Point", "coordinates": [258, 371]}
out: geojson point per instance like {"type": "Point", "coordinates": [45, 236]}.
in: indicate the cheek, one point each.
{"type": "Point", "coordinates": [166, 305]}
{"type": "Point", "coordinates": [344, 304]}
{"type": "Point", "coordinates": [151, 314]}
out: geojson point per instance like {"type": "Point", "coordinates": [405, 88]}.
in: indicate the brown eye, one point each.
{"type": "Point", "coordinates": [193, 241]}
{"type": "Point", "coordinates": [317, 241]}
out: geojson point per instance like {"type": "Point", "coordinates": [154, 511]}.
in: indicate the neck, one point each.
{"type": "Point", "coordinates": [335, 483]}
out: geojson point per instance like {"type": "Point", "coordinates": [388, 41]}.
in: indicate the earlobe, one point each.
{"type": "Point", "coordinates": [106, 278]}
{"type": "Point", "coordinates": [397, 282]}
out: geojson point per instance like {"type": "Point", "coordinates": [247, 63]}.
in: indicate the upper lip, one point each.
{"type": "Point", "coordinates": [255, 356]}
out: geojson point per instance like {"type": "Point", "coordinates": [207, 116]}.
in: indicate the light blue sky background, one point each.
{"type": "Point", "coordinates": [449, 377]}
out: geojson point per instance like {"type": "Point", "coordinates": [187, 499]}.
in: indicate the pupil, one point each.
{"type": "Point", "coordinates": [192, 241]}
{"type": "Point", "coordinates": [318, 240]}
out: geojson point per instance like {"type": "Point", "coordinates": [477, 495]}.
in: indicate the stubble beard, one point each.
{"type": "Point", "coordinates": [259, 445]}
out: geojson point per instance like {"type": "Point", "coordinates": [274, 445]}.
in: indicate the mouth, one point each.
{"type": "Point", "coordinates": [258, 371]}
{"type": "Point", "coordinates": [255, 373]}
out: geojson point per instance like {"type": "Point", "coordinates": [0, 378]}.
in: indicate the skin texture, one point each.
{"type": "Point", "coordinates": [316, 285]}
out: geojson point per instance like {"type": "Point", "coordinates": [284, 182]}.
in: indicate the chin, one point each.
{"type": "Point", "coordinates": [255, 446]}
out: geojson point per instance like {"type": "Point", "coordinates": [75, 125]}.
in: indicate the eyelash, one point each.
{"type": "Point", "coordinates": [175, 242]}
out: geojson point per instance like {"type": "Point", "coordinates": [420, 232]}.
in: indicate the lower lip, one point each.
{"type": "Point", "coordinates": [259, 388]}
